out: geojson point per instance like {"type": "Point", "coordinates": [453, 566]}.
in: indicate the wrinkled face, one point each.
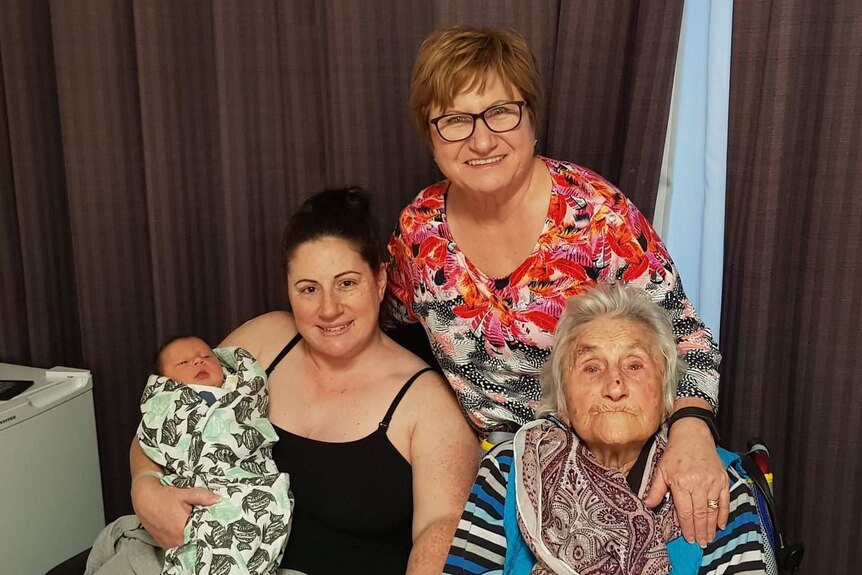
{"type": "Point", "coordinates": [614, 385]}
{"type": "Point", "coordinates": [486, 162]}
{"type": "Point", "coordinates": [335, 296]}
{"type": "Point", "coordinates": [191, 361]}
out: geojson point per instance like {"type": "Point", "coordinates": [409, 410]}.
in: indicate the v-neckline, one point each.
{"type": "Point", "coordinates": [476, 273]}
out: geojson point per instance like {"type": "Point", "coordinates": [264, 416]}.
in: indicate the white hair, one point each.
{"type": "Point", "coordinates": [611, 301]}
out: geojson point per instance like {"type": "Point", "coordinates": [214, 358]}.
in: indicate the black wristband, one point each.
{"type": "Point", "coordinates": [699, 412]}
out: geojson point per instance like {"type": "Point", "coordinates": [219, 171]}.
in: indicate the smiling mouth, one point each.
{"type": "Point", "coordinates": [336, 329]}
{"type": "Point", "coordinates": [485, 161]}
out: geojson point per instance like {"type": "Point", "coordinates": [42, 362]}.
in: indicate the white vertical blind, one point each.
{"type": "Point", "coordinates": [690, 203]}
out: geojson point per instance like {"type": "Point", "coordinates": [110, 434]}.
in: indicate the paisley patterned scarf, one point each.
{"type": "Point", "coordinates": [580, 518]}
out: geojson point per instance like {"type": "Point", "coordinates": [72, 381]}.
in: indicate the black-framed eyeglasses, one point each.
{"type": "Point", "coordinates": [502, 117]}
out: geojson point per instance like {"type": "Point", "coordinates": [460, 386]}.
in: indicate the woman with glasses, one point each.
{"type": "Point", "coordinates": [486, 259]}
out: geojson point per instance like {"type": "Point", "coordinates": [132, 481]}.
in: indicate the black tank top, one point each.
{"type": "Point", "coordinates": [354, 500]}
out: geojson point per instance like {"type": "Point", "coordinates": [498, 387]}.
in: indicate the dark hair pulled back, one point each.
{"type": "Point", "coordinates": [157, 360]}
{"type": "Point", "coordinates": [343, 213]}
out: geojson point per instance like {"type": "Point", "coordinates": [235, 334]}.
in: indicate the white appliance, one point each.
{"type": "Point", "coordinates": [50, 485]}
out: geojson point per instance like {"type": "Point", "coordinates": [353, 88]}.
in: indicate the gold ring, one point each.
{"type": "Point", "coordinates": [712, 503]}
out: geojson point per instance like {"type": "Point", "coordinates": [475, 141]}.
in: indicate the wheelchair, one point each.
{"type": "Point", "coordinates": [755, 462]}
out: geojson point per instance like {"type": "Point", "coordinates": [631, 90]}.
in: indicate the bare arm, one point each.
{"type": "Point", "coordinates": [139, 462]}
{"type": "Point", "coordinates": [263, 336]}
{"type": "Point", "coordinates": [445, 457]}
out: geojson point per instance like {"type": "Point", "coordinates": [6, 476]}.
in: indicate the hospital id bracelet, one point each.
{"type": "Point", "coordinates": [157, 474]}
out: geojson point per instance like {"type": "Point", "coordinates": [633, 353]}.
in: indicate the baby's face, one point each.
{"type": "Point", "coordinates": [190, 360]}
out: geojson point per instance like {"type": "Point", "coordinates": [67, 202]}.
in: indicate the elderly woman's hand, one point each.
{"type": "Point", "coordinates": [693, 471]}
{"type": "Point", "coordinates": [164, 510]}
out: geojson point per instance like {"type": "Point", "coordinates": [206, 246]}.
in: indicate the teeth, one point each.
{"type": "Point", "coordinates": [336, 329]}
{"type": "Point", "coordinates": [485, 161]}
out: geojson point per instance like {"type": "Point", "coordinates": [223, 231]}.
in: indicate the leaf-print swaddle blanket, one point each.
{"type": "Point", "coordinates": [225, 447]}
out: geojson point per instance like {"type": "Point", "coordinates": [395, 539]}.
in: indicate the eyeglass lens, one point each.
{"type": "Point", "coordinates": [500, 118]}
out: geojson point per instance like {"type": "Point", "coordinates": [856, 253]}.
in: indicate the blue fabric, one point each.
{"type": "Point", "coordinates": [488, 500]}
{"type": "Point", "coordinates": [519, 558]}
{"type": "Point", "coordinates": [739, 521]}
{"type": "Point", "coordinates": [685, 558]}
{"type": "Point", "coordinates": [749, 537]}
{"type": "Point", "coordinates": [743, 529]}
{"type": "Point", "coordinates": [691, 204]}
{"type": "Point", "coordinates": [765, 517]}
{"type": "Point", "coordinates": [728, 457]}
{"type": "Point", "coordinates": [468, 554]}
{"type": "Point", "coordinates": [207, 396]}
{"type": "Point", "coordinates": [466, 565]}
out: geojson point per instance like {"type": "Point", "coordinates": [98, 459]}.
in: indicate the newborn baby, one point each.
{"type": "Point", "coordinates": [204, 421]}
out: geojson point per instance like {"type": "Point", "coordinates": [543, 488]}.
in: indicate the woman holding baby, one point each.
{"type": "Point", "coordinates": [379, 457]}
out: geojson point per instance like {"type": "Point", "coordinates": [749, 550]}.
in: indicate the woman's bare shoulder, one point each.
{"type": "Point", "coordinates": [401, 364]}
{"type": "Point", "coordinates": [431, 401]}
{"type": "Point", "coordinates": [441, 438]}
{"type": "Point", "coordinates": [261, 334]}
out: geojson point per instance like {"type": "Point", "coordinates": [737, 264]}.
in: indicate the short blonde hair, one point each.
{"type": "Point", "coordinates": [460, 58]}
{"type": "Point", "coordinates": [607, 301]}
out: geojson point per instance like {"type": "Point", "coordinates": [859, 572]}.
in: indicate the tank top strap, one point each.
{"type": "Point", "coordinates": [388, 417]}
{"type": "Point", "coordinates": [290, 345]}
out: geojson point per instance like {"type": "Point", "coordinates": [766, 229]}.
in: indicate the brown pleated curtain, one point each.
{"type": "Point", "coordinates": [792, 310]}
{"type": "Point", "coordinates": [151, 151]}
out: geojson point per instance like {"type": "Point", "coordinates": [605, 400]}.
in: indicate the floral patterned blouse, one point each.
{"type": "Point", "coordinates": [491, 336]}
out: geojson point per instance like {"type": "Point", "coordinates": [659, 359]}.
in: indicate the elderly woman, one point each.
{"type": "Point", "coordinates": [486, 258]}
{"type": "Point", "coordinates": [567, 496]}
